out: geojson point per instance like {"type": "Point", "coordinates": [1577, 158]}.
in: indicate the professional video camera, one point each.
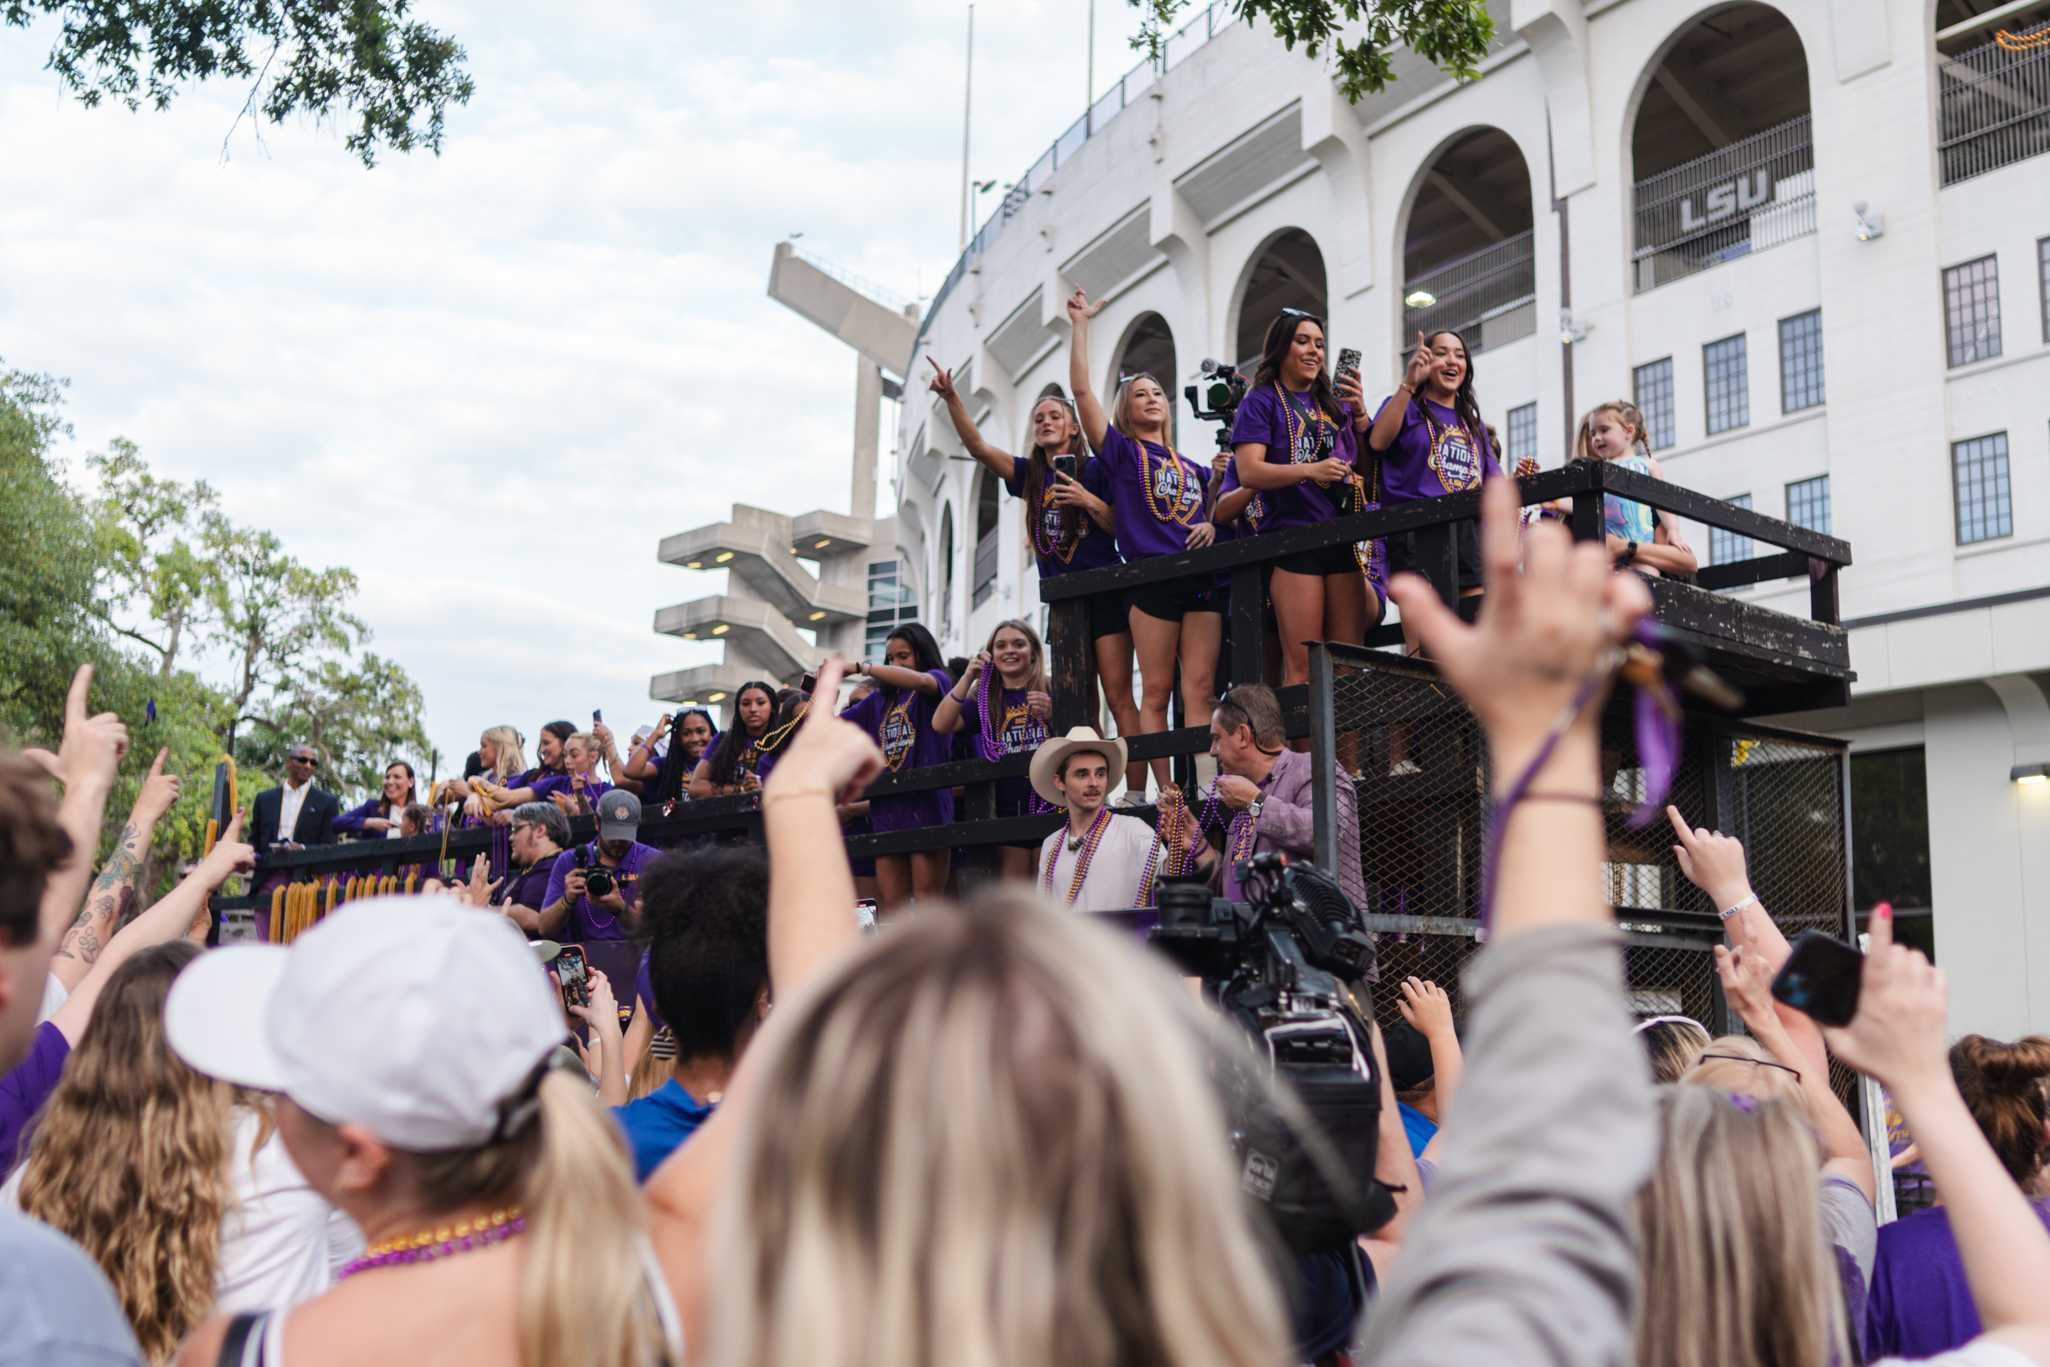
{"type": "Point", "coordinates": [1283, 964]}
{"type": "Point", "coordinates": [1223, 389]}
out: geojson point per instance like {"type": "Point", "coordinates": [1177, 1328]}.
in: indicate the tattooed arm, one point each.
{"type": "Point", "coordinates": [112, 902]}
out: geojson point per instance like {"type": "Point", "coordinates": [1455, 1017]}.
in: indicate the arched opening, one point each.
{"type": "Point", "coordinates": [1288, 273]}
{"type": "Point", "coordinates": [1467, 257]}
{"type": "Point", "coordinates": [1992, 85]}
{"type": "Point", "coordinates": [984, 582]}
{"type": "Point", "coordinates": [946, 572]}
{"type": "Point", "coordinates": [1721, 148]}
{"type": "Point", "coordinates": [1148, 347]}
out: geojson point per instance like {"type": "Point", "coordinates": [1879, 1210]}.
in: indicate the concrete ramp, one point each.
{"type": "Point", "coordinates": [882, 335]}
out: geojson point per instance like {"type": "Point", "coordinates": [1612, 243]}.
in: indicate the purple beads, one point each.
{"type": "Point", "coordinates": [427, 1253]}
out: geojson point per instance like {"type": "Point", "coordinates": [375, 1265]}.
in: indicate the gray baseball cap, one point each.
{"type": "Point", "coordinates": [619, 815]}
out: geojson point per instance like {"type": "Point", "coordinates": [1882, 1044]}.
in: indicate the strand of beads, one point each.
{"type": "Point", "coordinates": [426, 1246]}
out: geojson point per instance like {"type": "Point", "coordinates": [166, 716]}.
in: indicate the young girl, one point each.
{"type": "Point", "coordinates": [791, 705]}
{"type": "Point", "coordinates": [909, 685]}
{"type": "Point", "coordinates": [378, 819]}
{"type": "Point", "coordinates": [1160, 505]}
{"type": "Point", "coordinates": [1638, 537]}
{"type": "Point", "coordinates": [729, 766]}
{"type": "Point", "coordinates": [1002, 700]}
{"type": "Point", "coordinates": [1296, 447]}
{"type": "Point", "coordinates": [1068, 525]}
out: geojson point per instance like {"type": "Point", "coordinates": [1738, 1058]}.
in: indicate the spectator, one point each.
{"type": "Point", "coordinates": [113, 899]}
{"type": "Point", "coordinates": [729, 766]}
{"type": "Point", "coordinates": [1921, 1301]}
{"type": "Point", "coordinates": [791, 705]}
{"type": "Point", "coordinates": [549, 750]}
{"type": "Point", "coordinates": [1424, 1060]}
{"type": "Point", "coordinates": [295, 813]}
{"type": "Point", "coordinates": [503, 755]}
{"type": "Point", "coordinates": [898, 717]}
{"type": "Point", "coordinates": [663, 771]}
{"type": "Point", "coordinates": [418, 819]}
{"type": "Point", "coordinates": [500, 1212]}
{"type": "Point", "coordinates": [540, 833]}
{"type": "Point", "coordinates": [1002, 701]}
{"type": "Point", "coordinates": [209, 1211]}
{"type": "Point", "coordinates": [1099, 860]}
{"type": "Point", "coordinates": [379, 818]}
{"type": "Point", "coordinates": [56, 1302]}
{"type": "Point", "coordinates": [1270, 792]}
{"type": "Point", "coordinates": [608, 914]}
{"type": "Point", "coordinates": [1672, 1044]}
{"type": "Point", "coordinates": [573, 788]}
{"type": "Point", "coordinates": [1638, 537]}
{"type": "Point", "coordinates": [708, 968]}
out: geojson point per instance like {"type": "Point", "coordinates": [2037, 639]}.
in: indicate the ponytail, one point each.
{"type": "Point", "coordinates": [2003, 1087]}
{"type": "Point", "coordinates": [584, 1290]}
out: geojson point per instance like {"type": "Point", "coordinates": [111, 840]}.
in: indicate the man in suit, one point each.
{"type": "Point", "coordinates": [292, 815]}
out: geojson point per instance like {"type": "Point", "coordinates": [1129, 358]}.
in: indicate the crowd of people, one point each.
{"type": "Point", "coordinates": [988, 1132]}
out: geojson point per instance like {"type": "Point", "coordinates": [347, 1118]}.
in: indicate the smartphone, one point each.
{"type": "Point", "coordinates": [1064, 464]}
{"type": "Point", "coordinates": [808, 684]}
{"type": "Point", "coordinates": [1820, 978]}
{"type": "Point", "coordinates": [573, 975]}
{"type": "Point", "coordinates": [1349, 360]}
{"type": "Point", "coordinates": [596, 716]}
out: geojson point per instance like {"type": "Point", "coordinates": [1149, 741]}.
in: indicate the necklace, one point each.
{"type": "Point", "coordinates": [428, 1245]}
{"type": "Point", "coordinates": [1064, 537]}
{"type": "Point", "coordinates": [1179, 515]}
{"type": "Point", "coordinates": [1088, 842]}
{"type": "Point", "coordinates": [1297, 421]}
{"type": "Point", "coordinates": [990, 741]}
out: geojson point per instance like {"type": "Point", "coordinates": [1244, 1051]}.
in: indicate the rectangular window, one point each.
{"type": "Point", "coordinates": [1808, 504]}
{"type": "Point", "coordinates": [1801, 361]}
{"type": "Point", "coordinates": [1726, 548]}
{"type": "Point", "coordinates": [1727, 384]}
{"type": "Point", "coordinates": [1978, 476]}
{"type": "Point", "coordinates": [1890, 837]}
{"type": "Point", "coordinates": [1522, 434]}
{"type": "Point", "coordinates": [1971, 311]}
{"type": "Point", "coordinates": [1653, 387]}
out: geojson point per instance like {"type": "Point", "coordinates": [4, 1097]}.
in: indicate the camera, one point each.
{"type": "Point", "coordinates": [1283, 964]}
{"type": "Point", "coordinates": [598, 880]}
{"type": "Point", "coordinates": [1223, 390]}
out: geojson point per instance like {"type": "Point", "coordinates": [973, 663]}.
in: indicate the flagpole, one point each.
{"type": "Point", "coordinates": [967, 110]}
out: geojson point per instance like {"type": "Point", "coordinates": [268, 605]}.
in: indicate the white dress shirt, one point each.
{"type": "Point", "coordinates": [290, 800]}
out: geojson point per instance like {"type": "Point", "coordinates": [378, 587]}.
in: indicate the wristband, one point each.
{"type": "Point", "coordinates": [771, 799]}
{"type": "Point", "coordinates": [1750, 901]}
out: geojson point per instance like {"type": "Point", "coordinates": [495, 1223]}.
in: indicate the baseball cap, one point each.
{"type": "Point", "coordinates": [1409, 1056]}
{"type": "Point", "coordinates": [417, 1018]}
{"type": "Point", "coordinates": [619, 815]}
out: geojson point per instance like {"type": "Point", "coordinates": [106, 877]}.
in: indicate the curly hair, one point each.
{"type": "Point", "coordinates": [149, 1209]}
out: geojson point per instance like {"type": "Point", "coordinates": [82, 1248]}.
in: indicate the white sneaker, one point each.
{"type": "Point", "coordinates": [1405, 768]}
{"type": "Point", "coordinates": [1131, 799]}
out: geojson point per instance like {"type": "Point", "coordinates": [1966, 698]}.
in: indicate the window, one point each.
{"type": "Point", "coordinates": [1808, 504]}
{"type": "Point", "coordinates": [1971, 311]}
{"type": "Point", "coordinates": [1890, 829]}
{"type": "Point", "coordinates": [1978, 477]}
{"type": "Point", "coordinates": [984, 584]}
{"type": "Point", "coordinates": [2043, 280]}
{"type": "Point", "coordinates": [891, 603]}
{"type": "Point", "coordinates": [1727, 548]}
{"type": "Point", "coordinates": [1727, 384]}
{"type": "Point", "coordinates": [1801, 361]}
{"type": "Point", "coordinates": [1522, 438]}
{"type": "Point", "coordinates": [1653, 385]}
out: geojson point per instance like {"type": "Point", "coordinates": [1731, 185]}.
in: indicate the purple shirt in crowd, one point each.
{"type": "Point", "coordinates": [25, 1088]}
{"type": "Point", "coordinates": [1433, 454]}
{"type": "Point", "coordinates": [1920, 1304]}
{"type": "Point", "coordinates": [1295, 432]}
{"type": "Point", "coordinates": [1065, 540]}
{"type": "Point", "coordinates": [586, 920]}
{"type": "Point", "coordinates": [549, 784]}
{"type": "Point", "coordinates": [644, 994]}
{"type": "Point", "coordinates": [1155, 494]}
{"type": "Point", "coordinates": [1016, 729]}
{"type": "Point", "coordinates": [901, 723]}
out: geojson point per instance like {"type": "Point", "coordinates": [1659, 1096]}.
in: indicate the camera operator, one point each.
{"type": "Point", "coordinates": [539, 833]}
{"type": "Point", "coordinates": [593, 888]}
{"type": "Point", "coordinates": [1270, 792]}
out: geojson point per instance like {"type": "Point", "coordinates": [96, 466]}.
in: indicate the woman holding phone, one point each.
{"type": "Point", "coordinates": [729, 766]}
{"type": "Point", "coordinates": [1296, 447]}
{"type": "Point", "coordinates": [898, 716]}
{"type": "Point", "coordinates": [1068, 526]}
{"type": "Point", "coordinates": [1160, 505]}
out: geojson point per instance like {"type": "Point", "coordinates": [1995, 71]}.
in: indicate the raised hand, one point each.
{"type": "Point", "coordinates": [159, 792]}
{"type": "Point", "coordinates": [1346, 385]}
{"type": "Point", "coordinates": [92, 747]}
{"type": "Point", "coordinates": [942, 380]}
{"type": "Point", "coordinates": [1426, 1007]}
{"type": "Point", "coordinates": [1039, 704]}
{"type": "Point", "coordinates": [1420, 362]}
{"type": "Point", "coordinates": [826, 754]}
{"type": "Point", "coordinates": [1201, 535]}
{"type": "Point", "coordinates": [1898, 1035]}
{"type": "Point", "coordinates": [1746, 977]}
{"type": "Point", "coordinates": [1712, 861]}
{"type": "Point", "coordinates": [229, 855]}
{"type": "Point", "coordinates": [1080, 310]}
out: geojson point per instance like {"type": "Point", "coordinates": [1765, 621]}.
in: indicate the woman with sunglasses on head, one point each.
{"type": "Point", "coordinates": [1296, 447]}
{"type": "Point", "coordinates": [1069, 527]}
{"type": "Point", "coordinates": [1160, 505]}
{"type": "Point", "coordinates": [729, 766]}
{"type": "Point", "coordinates": [1430, 440]}
{"type": "Point", "coordinates": [663, 776]}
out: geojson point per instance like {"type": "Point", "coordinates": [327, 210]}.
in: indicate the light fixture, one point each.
{"type": "Point", "coordinates": [715, 697]}
{"type": "Point", "coordinates": [1419, 299]}
{"type": "Point", "coordinates": [722, 557]}
{"type": "Point", "coordinates": [694, 565]}
{"type": "Point", "coordinates": [2030, 774]}
{"type": "Point", "coordinates": [721, 629]}
{"type": "Point", "coordinates": [1571, 329]}
{"type": "Point", "coordinates": [690, 636]}
{"type": "Point", "coordinates": [1870, 224]}
{"type": "Point", "coordinates": [822, 543]}
{"type": "Point", "coordinates": [688, 702]}
{"type": "Point", "coordinates": [818, 616]}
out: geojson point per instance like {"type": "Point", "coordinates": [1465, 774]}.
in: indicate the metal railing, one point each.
{"type": "Point", "coordinates": [1489, 297]}
{"type": "Point", "coordinates": [985, 580]}
{"type": "Point", "coordinates": [1993, 109]}
{"type": "Point", "coordinates": [1754, 194]}
{"type": "Point", "coordinates": [860, 284]}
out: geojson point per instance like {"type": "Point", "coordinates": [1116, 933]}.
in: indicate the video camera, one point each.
{"type": "Point", "coordinates": [1283, 964]}
{"type": "Point", "coordinates": [1223, 388]}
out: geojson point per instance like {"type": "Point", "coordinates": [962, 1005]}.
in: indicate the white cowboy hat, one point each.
{"type": "Point", "coordinates": [1048, 759]}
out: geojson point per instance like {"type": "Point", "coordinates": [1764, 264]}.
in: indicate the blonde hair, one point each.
{"type": "Point", "coordinates": [1740, 1064]}
{"type": "Point", "coordinates": [1121, 407]}
{"type": "Point", "coordinates": [148, 1207]}
{"type": "Point", "coordinates": [1673, 1044]}
{"type": "Point", "coordinates": [1037, 680]}
{"type": "Point", "coordinates": [1627, 413]}
{"type": "Point", "coordinates": [512, 754]}
{"type": "Point", "coordinates": [953, 1153]}
{"type": "Point", "coordinates": [1736, 1269]}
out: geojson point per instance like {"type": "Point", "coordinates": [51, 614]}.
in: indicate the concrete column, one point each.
{"type": "Point", "coordinates": [868, 403]}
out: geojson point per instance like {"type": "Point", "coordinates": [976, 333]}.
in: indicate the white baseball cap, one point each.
{"type": "Point", "coordinates": [418, 1018]}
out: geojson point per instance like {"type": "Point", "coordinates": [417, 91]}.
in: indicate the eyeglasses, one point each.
{"type": "Point", "coordinates": [1760, 1062]}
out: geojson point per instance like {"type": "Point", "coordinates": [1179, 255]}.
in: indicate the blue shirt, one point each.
{"type": "Point", "coordinates": [658, 1123]}
{"type": "Point", "coordinates": [59, 1310]}
{"type": "Point", "coordinates": [1418, 1126]}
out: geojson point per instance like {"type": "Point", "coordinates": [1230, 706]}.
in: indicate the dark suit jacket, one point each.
{"type": "Point", "coordinates": [316, 825]}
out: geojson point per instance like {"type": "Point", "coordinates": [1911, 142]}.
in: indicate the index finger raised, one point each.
{"type": "Point", "coordinates": [1681, 829]}
{"type": "Point", "coordinates": [81, 690]}
{"type": "Point", "coordinates": [156, 768]}
{"type": "Point", "coordinates": [827, 685]}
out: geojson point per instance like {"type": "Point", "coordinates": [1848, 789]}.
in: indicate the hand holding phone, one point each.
{"type": "Point", "coordinates": [1064, 465]}
{"type": "Point", "coordinates": [573, 975]}
{"type": "Point", "coordinates": [1820, 978]}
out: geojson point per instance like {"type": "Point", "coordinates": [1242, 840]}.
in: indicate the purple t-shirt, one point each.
{"type": "Point", "coordinates": [1155, 494]}
{"type": "Point", "coordinates": [550, 784]}
{"type": "Point", "coordinates": [1433, 454]}
{"type": "Point", "coordinates": [644, 994]}
{"type": "Point", "coordinates": [589, 922]}
{"type": "Point", "coordinates": [1065, 540]}
{"type": "Point", "coordinates": [1920, 1304]}
{"type": "Point", "coordinates": [1296, 432]}
{"type": "Point", "coordinates": [25, 1088]}
{"type": "Point", "coordinates": [1016, 730]}
{"type": "Point", "coordinates": [901, 723]}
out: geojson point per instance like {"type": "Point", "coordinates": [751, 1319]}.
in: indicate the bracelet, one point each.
{"type": "Point", "coordinates": [770, 799]}
{"type": "Point", "coordinates": [1578, 799]}
{"type": "Point", "coordinates": [1750, 901]}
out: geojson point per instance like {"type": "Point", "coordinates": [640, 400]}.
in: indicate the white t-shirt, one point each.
{"type": "Point", "coordinates": [55, 994]}
{"type": "Point", "coordinates": [290, 800]}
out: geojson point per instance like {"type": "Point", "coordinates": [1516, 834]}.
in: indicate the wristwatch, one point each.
{"type": "Point", "coordinates": [1253, 807]}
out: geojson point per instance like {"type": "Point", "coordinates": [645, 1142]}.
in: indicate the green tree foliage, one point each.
{"type": "Point", "coordinates": [363, 712]}
{"type": "Point", "coordinates": [353, 61]}
{"type": "Point", "coordinates": [1451, 34]}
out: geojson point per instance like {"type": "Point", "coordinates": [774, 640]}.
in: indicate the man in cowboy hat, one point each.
{"type": "Point", "coordinates": [1100, 860]}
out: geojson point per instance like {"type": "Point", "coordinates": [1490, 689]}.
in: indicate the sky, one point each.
{"type": "Point", "coordinates": [491, 382]}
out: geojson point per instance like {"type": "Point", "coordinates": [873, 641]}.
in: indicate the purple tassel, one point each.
{"type": "Point", "coordinates": [1658, 750]}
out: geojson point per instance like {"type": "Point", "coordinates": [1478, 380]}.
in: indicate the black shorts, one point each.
{"type": "Point", "coordinates": [1107, 616]}
{"type": "Point", "coordinates": [1402, 554]}
{"type": "Point", "coordinates": [1172, 601]}
{"type": "Point", "coordinates": [1317, 564]}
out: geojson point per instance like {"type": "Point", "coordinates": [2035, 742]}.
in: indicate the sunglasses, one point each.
{"type": "Point", "coordinates": [307, 760]}
{"type": "Point", "coordinates": [1760, 1062]}
{"type": "Point", "coordinates": [1297, 313]}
